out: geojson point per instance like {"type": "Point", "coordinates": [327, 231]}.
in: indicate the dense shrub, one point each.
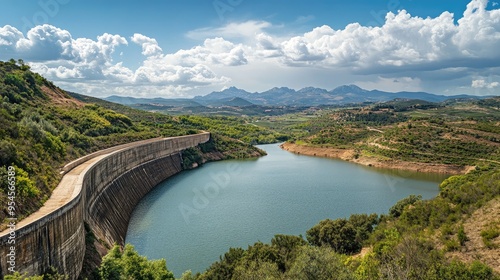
{"type": "Point", "coordinates": [338, 234]}
{"type": "Point", "coordinates": [397, 209]}
{"type": "Point", "coordinates": [129, 264]}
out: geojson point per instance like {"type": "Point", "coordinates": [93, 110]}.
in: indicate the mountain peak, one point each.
{"type": "Point", "coordinates": [232, 89]}
{"type": "Point", "coordinates": [279, 90]}
{"type": "Point", "coordinates": [312, 90]}
{"type": "Point", "coordinates": [225, 93]}
{"type": "Point", "coordinates": [348, 89]}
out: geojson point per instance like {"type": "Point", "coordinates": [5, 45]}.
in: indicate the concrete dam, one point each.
{"type": "Point", "coordinates": [100, 189]}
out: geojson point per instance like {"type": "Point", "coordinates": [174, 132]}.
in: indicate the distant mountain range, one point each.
{"type": "Point", "coordinates": [283, 96]}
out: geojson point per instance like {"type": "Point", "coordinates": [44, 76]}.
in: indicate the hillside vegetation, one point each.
{"type": "Point", "coordinates": [230, 126]}
{"type": "Point", "coordinates": [42, 127]}
{"type": "Point", "coordinates": [461, 134]}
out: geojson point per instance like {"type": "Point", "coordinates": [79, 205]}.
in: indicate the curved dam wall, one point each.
{"type": "Point", "coordinates": [105, 190]}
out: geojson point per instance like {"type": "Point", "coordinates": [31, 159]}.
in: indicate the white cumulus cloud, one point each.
{"type": "Point", "coordinates": [150, 46]}
{"type": "Point", "coordinates": [405, 52]}
{"type": "Point", "coordinates": [9, 36]}
{"type": "Point", "coordinates": [54, 53]}
{"type": "Point", "coordinates": [403, 42]}
{"type": "Point", "coordinates": [484, 84]}
{"type": "Point", "coordinates": [216, 51]}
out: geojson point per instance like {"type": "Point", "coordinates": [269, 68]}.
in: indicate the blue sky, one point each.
{"type": "Point", "coordinates": [190, 47]}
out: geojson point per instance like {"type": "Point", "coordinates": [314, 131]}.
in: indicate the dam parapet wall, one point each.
{"type": "Point", "coordinates": [100, 189]}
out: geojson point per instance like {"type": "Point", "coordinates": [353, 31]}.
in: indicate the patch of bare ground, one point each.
{"type": "Point", "coordinates": [60, 97]}
{"type": "Point", "coordinates": [375, 143]}
{"type": "Point", "coordinates": [350, 155]}
{"type": "Point", "coordinates": [473, 108]}
{"type": "Point", "coordinates": [450, 136]}
{"type": "Point", "coordinates": [474, 248]}
{"type": "Point", "coordinates": [373, 129]}
{"type": "Point", "coordinates": [364, 251]}
{"type": "Point", "coordinates": [345, 154]}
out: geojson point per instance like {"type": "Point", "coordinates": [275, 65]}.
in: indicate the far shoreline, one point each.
{"type": "Point", "coordinates": [349, 155]}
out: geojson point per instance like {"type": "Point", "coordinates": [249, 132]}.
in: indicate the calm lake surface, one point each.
{"type": "Point", "coordinates": [194, 217]}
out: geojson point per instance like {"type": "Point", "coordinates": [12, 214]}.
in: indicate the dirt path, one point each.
{"type": "Point", "coordinates": [350, 155]}
{"type": "Point", "coordinates": [374, 129]}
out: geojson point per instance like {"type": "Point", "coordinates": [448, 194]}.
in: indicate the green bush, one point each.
{"type": "Point", "coordinates": [224, 268]}
{"type": "Point", "coordinates": [25, 187]}
{"type": "Point", "coordinates": [364, 225]}
{"type": "Point", "coordinates": [462, 237]}
{"type": "Point", "coordinates": [257, 270]}
{"type": "Point", "coordinates": [397, 209]}
{"type": "Point", "coordinates": [7, 152]}
{"type": "Point", "coordinates": [287, 248]}
{"type": "Point", "coordinates": [338, 234]}
{"type": "Point", "coordinates": [190, 157]}
{"type": "Point", "coordinates": [488, 234]}
{"type": "Point", "coordinates": [129, 264]}
{"type": "Point", "coordinates": [319, 263]}
{"type": "Point", "coordinates": [461, 271]}
{"type": "Point", "coordinates": [54, 145]}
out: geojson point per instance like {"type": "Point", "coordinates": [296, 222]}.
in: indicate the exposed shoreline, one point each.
{"type": "Point", "coordinates": [348, 155]}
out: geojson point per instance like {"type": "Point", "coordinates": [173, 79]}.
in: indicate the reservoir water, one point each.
{"type": "Point", "coordinates": [196, 216]}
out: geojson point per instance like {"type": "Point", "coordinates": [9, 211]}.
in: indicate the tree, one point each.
{"type": "Point", "coordinates": [224, 268]}
{"type": "Point", "coordinates": [261, 251]}
{"type": "Point", "coordinates": [410, 258]}
{"type": "Point", "coordinates": [339, 234]}
{"type": "Point", "coordinates": [257, 270]}
{"type": "Point", "coordinates": [287, 247]}
{"type": "Point", "coordinates": [188, 275]}
{"type": "Point", "coordinates": [397, 209]}
{"type": "Point", "coordinates": [315, 263]}
{"type": "Point", "coordinates": [461, 271]}
{"type": "Point", "coordinates": [130, 265]}
{"type": "Point", "coordinates": [462, 237]}
{"type": "Point", "coordinates": [364, 225]}
{"type": "Point", "coordinates": [7, 152]}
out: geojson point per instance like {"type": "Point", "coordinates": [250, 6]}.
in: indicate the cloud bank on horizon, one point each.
{"type": "Point", "coordinates": [404, 53]}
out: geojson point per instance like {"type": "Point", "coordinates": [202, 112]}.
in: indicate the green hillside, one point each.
{"type": "Point", "coordinates": [459, 133]}
{"type": "Point", "coordinates": [228, 126]}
